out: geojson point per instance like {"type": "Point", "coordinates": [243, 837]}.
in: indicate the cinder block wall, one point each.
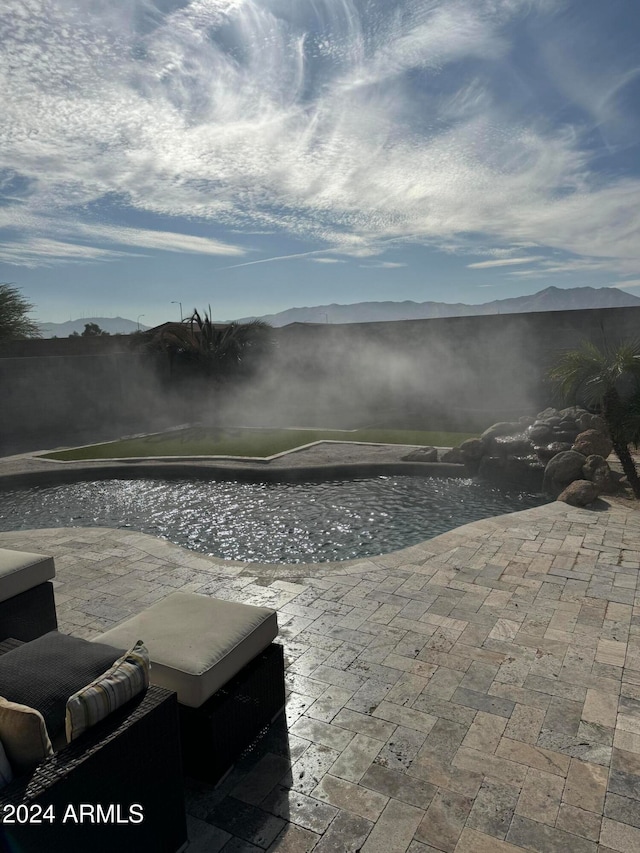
{"type": "Point", "coordinates": [457, 371]}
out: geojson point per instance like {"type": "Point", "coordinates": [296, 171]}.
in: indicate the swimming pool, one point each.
{"type": "Point", "coordinates": [269, 522]}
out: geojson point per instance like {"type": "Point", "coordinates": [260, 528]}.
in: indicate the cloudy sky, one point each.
{"type": "Point", "coordinates": [256, 155]}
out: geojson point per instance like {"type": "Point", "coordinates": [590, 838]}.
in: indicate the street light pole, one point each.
{"type": "Point", "coordinates": [138, 320]}
{"type": "Point", "coordinates": [180, 304]}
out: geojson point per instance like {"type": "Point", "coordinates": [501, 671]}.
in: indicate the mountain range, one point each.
{"type": "Point", "coordinates": [113, 325]}
{"type": "Point", "coordinates": [550, 299]}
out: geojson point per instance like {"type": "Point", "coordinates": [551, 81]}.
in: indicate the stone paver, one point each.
{"type": "Point", "coordinates": [477, 692]}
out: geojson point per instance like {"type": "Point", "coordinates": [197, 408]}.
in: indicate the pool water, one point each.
{"type": "Point", "coordinates": [269, 522]}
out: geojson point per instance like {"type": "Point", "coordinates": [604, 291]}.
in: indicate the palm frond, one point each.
{"type": "Point", "coordinates": [590, 372]}
{"type": "Point", "coordinates": [217, 351]}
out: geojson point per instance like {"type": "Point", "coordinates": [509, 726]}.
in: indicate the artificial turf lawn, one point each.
{"type": "Point", "coordinates": [201, 441]}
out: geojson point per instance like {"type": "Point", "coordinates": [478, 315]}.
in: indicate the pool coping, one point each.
{"type": "Point", "coordinates": [315, 461]}
{"type": "Point", "coordinates": [213, 456]}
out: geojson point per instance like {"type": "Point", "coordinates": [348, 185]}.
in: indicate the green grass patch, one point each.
{"type": "Point", "coordinates": [200, 441]}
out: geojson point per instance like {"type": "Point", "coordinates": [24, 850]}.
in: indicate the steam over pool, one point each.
{"type": "Point", "coordinates": [269, 522]}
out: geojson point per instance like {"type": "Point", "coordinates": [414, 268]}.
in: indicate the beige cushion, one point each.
{"type": "Point", "coordinates": [197, 643]}
{"type": "Point", "coordinates": [21, 570]}
{"type": "Point", "coordinates": [24, 736]}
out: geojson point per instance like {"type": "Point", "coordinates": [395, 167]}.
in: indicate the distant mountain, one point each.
{"type": "Point", "coordinates": [113, 325]}
{"type": "Point", "coordinates": [550, 299]}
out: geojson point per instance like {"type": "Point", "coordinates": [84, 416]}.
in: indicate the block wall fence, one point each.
{"type": "Point", "coordinates": [457, 371]}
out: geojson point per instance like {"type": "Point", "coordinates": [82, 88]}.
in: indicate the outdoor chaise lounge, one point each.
{"type": "Point", "coordinates": [220, 658]}
{"type": "Point", "coordinates": [27, 608]}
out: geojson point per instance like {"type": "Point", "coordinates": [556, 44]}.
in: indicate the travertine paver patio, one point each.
{"type": "Point", "coordinates": [478, 693]}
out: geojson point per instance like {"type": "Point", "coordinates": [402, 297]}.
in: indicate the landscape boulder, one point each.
{"type": "Point", "coordinates": [588, 421]}
{"type": "Point", "coordinates": [454, 455]}
{"type": "Point", "coordinates": [554, 442]}
{"type": "Point", "coordinates": [568, 425]}
{"type": "Point", "coordinates": [472, 449]}
{"type": "Point", "coordinates": [564, 436]}
{"type": "Point", "coordinates": [422, 454]}
{"type": "Point", "coordinates": [579, 493]}
{"type": "Point", "coordinates": [597, 470]}
{"type": "Point", "coordinates": [549, 412]}
{"type": "Point", "coordinates": [545, 454]}
{"type": "Point", "coordinates": [540, 433]}
{"type": "Point", "coordinates": [562, 470]}
{"type": "Point", "coordinates": [572, 412]}
{"type": "Point", "coordinates": [592, 442]}
{"type": "Point", "coordinates": [501, 428]}
{"type": "Point", "coordinates": [525, 471]}
{"type": "Point", "coordinates": [513, 445]}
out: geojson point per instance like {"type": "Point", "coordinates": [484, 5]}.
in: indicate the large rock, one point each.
{"type": "Point", "coordinates": [589, 421]}
{"type": "Point", "coordinates": [473, 449]}
{"type": "Point", "coordinates": [562, 470]}
{"type": "Point", "coordinates": [549, 412]}
{"type": "Point", "coordinates": [422, 454]}
{"type": "Point", "coordinates": [563, 436]}
{"type": "Point", "coordinates": [540, 433]}
{"type": "Point", "coordinates": [593, 443]}
{"type": "Point", "coordinates": [571, 412]}
{"type": "Point", "coordinates": [501, 428]}
{"type": "Point", "coordinates": [546, 454]}
{"type": "Point", "coordinates": [512, 445]}
{"type": "Point", "coordinates": [526, 472]}
{"type": "Point", "coordinates": [519, 451]}
{"type": "Point", "coordinates": [491, 467]}
{"type": "Point", "coordinates": [568, 425]}
{"type": "Point", "coordinates": [597, 470]}
{"type": "Point", "coordinates": [579, 493]}
{"type": "Point", "coordinates": [454, 455]}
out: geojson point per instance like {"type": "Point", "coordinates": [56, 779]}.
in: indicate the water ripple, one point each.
{"type": "Point", "coordinates": [269, 522]}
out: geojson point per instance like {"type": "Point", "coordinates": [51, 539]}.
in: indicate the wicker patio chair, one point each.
{"type": "Point", "coordinates": [27, 605]}
{"type": "Point", "coordinates": [132, 757]}
{"type": "Point", "coordinates": [29, 615]}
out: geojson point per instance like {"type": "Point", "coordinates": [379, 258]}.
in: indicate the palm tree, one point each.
{"type": "Point", "coordinates": [607, 379]}
{"type": "Point", "coordinates": [218, 352]}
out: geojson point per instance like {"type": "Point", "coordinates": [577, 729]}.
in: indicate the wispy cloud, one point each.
{"type": "Point", "coordinates": [622, 285]}
{"type": "Point", "coordinates": [343, 123]}
{"type": "Point", "coordinates": [502, 262]}
{"type": "Point", "coordinates": [40, 251]}
{"type": "Point", "coordinates": [169, 241]}
{"type": "Point", "coordinates": [272, 259]}
{"type": "Point", "coordinates": [385, 265]}
{"type": "Point", "coordinates": [573, 266]}
{"type": "Point", "coordinates": [75, 241]}
{"type": "Point", "coordinates": [327, 261]}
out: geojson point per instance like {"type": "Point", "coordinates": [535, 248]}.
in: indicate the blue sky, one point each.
{"type": "Point", "coordinates": [257, 155]}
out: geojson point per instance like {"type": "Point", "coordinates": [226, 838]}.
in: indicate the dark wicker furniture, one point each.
{"type": "Point", "coordinates": [29, 614]}
{"type": "Point", "coordinates": [215, 734]}
{"type": "Point", "coordinates": [131, 758]}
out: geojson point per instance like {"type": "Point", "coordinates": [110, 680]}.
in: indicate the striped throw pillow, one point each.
{"type": "Point", "coordinates": [128, 676]}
